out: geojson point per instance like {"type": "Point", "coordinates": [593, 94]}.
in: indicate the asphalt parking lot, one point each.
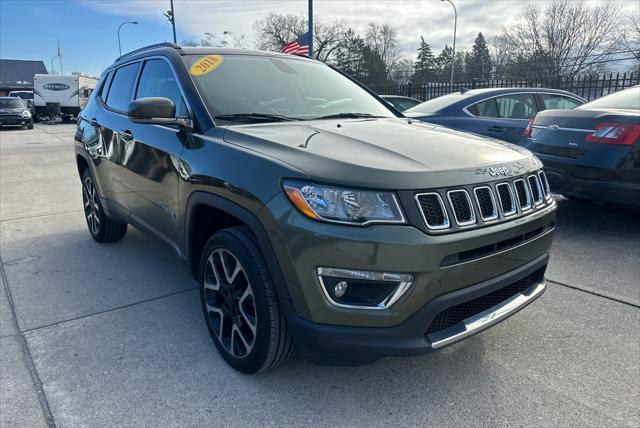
{"type": "Point", "coordinates": [112, 335]}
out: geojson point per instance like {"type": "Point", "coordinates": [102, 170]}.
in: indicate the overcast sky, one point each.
{"type": "Point", "coordinates": [431, 18]}
{"type": "Point", "coordinates": [87, 29]}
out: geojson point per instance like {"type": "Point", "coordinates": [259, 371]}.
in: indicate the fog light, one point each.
{"type": "Point", "coordinates": [363, 289]}
{"type": "Point", "coordinates": [340, 289]}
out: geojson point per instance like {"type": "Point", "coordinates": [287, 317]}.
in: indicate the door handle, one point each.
{"type": "Point", "coordinates": [126, 136]}
{"type": "Point", "coordinates": [93, 122]}
{"type": "Point", "coordinates": [495, 129]}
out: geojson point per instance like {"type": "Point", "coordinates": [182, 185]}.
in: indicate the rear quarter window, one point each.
{"type": "Point", "coordinates": [121, 88]}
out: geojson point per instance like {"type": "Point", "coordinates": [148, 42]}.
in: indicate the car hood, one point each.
{"type": "Point", "coordinates": [385, 153]}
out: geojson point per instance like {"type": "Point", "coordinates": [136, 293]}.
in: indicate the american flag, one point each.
{"type": "Point", "coordinates": [299, 46]}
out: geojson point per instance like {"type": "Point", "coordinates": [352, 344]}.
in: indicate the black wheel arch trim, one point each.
{"type": "Point", "coordinates": [250, 220]}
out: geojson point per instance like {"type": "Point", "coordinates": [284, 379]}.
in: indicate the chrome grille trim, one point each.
{"type": "Point", "coordinates": [546, 189]}
{"type": "Point", "coordinates": [513, 209]}
{"type": "Point", "coordinates": [494, 215]}
{"type": "Point", "coordinates": [538, 189]}
{"type": "Point", "coordinates": [446, 223]}
{"type": "Point", "coordinates": [527, 195]}
{"type": "Point", "coordinates": [476, 205]}
{"type": "Point", "coordinates": [472, 214]}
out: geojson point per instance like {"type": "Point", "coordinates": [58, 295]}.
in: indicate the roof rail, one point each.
{"type": "Point", "coordinates": [154, 46]}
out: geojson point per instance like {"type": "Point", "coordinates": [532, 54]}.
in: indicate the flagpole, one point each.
{"type": "Point", "coordinates": [311, 28]}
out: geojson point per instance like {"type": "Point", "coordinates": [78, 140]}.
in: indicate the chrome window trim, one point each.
{"type": "Point", "coordinates": [473, 219]}
{"type": "Point", "coordinates": [495, 214]}
{"type": "Point", "coordinates": [527, 192]}
{"type": "Point", "coordinates": [465, 108]}
{"type": "Point", "coordinates": [539, 187]}
{"type": "Point", "coordinates": [446, 224]}
{"type": "Point", "coordinates": [514, 207]}
{"type": "Point", "coordinates": [405, 280]}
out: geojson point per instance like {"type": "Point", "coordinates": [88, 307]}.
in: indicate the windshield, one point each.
{"type": "Point", "coordinates": [263, 88]}
{"type": "Point", "coordinates": [436, 104]}
{"type": "Point", "coordinates": [11, 103]}
{"type": "Point", "coordinates": [627, 99]}
{"type": "Point", "coordinates": [23, 95]}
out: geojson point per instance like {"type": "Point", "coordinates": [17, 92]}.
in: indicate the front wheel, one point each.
{"type": "Point", "coordinates": [240, 305]}
{"type": "Point", "coordinates": [101, 227]}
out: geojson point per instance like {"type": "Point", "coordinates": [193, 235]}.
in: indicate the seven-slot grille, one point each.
{"type": "Point", "coordinates": [477, 205]}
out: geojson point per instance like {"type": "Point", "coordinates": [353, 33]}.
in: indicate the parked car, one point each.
{"type": "Point", "coordinates": [313, 215]}
{"type": "Point", "coordinates": [499, 113]}
{"type": "Point", "coordinates": [593, 151]}
{"type": "Point", "coordinates": [13, 112]}
{"type": "Point", "coordinates": [400, 102]}
{"type": "Point", "coordinates": [27, 96]}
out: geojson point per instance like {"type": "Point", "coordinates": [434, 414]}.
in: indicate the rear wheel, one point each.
{"type": "Point", "coordinates": [240, 305]}
{"type": "Point", "coordinates": [101, 227]}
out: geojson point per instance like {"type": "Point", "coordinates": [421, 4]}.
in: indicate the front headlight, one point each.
{"type": "Point", "coordinates": [341, 205]}
{"type": "Point", "coordinates": [25, 113]}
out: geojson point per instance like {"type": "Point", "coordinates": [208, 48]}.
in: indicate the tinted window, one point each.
{"type": "Point", "coordinates": [295, 87]}
{"type": "Point", "coordinates": [553, 101]}
{"type": "Point", "coordinates": [122, 87]}
{"type": "Point", "coordinates": [627, 99]}
{"type": "Point", "coordinates": [515, 106]}
{"type": "Point", "coordinates": [157, 80]}
{"type": "Point", "coordinates": [437, 104]}
{"type": "Point", "coordinates": [403, 104]}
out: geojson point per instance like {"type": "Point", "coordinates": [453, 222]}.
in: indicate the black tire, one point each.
{"type": "Point", "coordinates": [101, 227]}
{"type": "Point", "coordinates": [30, 126]}
{"type": "Point", "coordinates": [272, 343]}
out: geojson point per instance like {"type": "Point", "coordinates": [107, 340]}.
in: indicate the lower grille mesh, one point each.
{"type": "Point", "coordinates": [455, 314]}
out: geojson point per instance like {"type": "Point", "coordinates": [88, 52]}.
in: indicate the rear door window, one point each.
{"type": "Point", "coordinates": [513, 106]}
{"type": "Point", "coordinates": [554, 101]}
{"type": "Point", "coordinates": [122, 87]}
{"type": "Point", "coordinates": [157, 80]}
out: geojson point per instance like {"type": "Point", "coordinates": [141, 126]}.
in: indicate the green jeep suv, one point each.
{"type": "Point", "coordinates": [315, 216]}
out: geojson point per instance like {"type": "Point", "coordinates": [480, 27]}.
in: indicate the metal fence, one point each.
{"type": "Point", "coordinates": [587, 87]}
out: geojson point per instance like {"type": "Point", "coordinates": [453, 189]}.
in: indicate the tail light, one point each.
{"type": "Point", "coordinates": [624, 134]}
{"type": "Point", "coordinates": [528, 129]}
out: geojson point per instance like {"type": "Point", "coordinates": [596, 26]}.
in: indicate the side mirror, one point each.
{"type": "Point", "coordinates": [154, 110]}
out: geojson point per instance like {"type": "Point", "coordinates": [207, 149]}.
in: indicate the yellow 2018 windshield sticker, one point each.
{"type": "Point", "coordinates": [206, 65]}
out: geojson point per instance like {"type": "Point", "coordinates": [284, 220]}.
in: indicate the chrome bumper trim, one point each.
{"type": "Point", "coordinates": [486, 318]}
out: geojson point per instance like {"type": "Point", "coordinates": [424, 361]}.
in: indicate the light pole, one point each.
{"type": "Point", "coordinates": [53, 59]}
{"type": "Point", "coordinates": [455, 27]}
{"type": "Point", "coordinates": [127, 22]}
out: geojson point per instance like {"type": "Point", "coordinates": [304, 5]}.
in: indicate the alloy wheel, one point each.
{"type": "Point", "coordinates": [91, 205]}
{"type": "Point", "coordinates": [229, 302]}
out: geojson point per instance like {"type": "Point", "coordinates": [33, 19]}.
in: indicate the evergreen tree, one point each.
{"type": "Point", "coordinates": [425, 63]}
{"type": "Point", "coordinates": [443, 63]}
{"type": "Point", "coordinates": [478, 65]}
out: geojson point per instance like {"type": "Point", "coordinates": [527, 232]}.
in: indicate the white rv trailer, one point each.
{"type": "Point", "coordinates": [70, 92]}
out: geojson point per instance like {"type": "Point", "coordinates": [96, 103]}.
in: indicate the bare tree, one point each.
{"type": "Point", "coordinates": [276, 30]}
{"type": "Point", "coordinates": [631, 36]}
{"type": "Point", "coordinates": [563, 39]}
{"type": "Point", "coordinates": [383, 40]}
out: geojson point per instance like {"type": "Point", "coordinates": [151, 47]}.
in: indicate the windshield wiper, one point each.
{"type": "Point", "coordinates": [255, 117]}
{"type": "Point", "coordinates": [348, 116]}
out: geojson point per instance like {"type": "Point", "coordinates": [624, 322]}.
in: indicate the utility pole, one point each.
{"type": "Point", "coordinates": [173, 23]}
{"type": "Point", "coordinates": [311, 28]}
{"type": "Point", "coordinates": [455, 25]}
{"type": "Point", "coordinates": [119, 27]}
{"type": "Point", "coordinates": [59, 57]}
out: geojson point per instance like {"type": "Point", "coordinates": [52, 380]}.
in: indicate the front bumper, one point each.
{"type": "Point", "coordinates": [302, 246]}
{"type": "Point", "coordinates": [357, 345]}
{"type": "Point", "coordinates": [15, 120]}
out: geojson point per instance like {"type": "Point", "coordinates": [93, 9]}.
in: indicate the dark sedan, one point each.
{"type": "Point", "coordinates": [400, 102]}
{"type": "Point", "coordinates": [593, 151]}
{"type": "Point", "coordinates": [499, 113]}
